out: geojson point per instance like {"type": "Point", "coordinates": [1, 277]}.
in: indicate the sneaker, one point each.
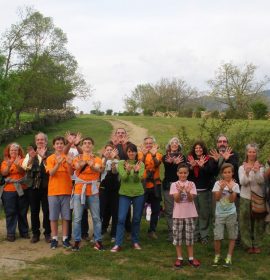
{"type": "Point", "coordinates": [195, 263]}
{"type": "Point", "coordinates": [152, 235]}
{"type": "Point", "coordinates": [34, 239]}
{"type": "Point", "coordinates": [228, 263]}
{"type": "Point", "coordinates": [178, 263]}
{"type": "Point", "coordinates": [76, 247]}
{"type": "Point", "coordinates": [98, 246]}
{"type": "Point", "coordinates": [116, 249]}
{"type": "Point", "coordinates": [136, 246]}
{"type": "Point", "coordinates": [216, 261]}
{"type": "Point", "coordinates": [66, 244]}
{"type": "Point", "coordinates": [54, 244]}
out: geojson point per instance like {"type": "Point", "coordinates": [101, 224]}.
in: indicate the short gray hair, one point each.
{"type": "Point", "coordinates": [44, 135]}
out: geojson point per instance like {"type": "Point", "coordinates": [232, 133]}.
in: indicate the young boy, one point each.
{"type": "Point", "coordinates": [59, 167]}
{"type": "Point", "coordinates": [88, 168]}
{"type": "Point", "coordinates": [184, 214]}
{"type": "Point", "coordinates": [225, 193]}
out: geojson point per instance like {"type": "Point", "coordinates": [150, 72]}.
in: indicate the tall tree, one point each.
{"type": "Point", "coordinates": [236, 87]}
{"type": "Point", "coordinates": [47, 74]}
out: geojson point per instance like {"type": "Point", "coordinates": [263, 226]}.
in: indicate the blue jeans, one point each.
{"type": "Point", "coordinates": [92, 202]}
{"type": "Point", "coordinates": [16, 208]}
{"type": "Point", "coordinates": [124, 204]}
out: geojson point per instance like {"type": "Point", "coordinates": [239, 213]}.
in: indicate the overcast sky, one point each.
{"type": "Point", "coordinates": [119, 44]}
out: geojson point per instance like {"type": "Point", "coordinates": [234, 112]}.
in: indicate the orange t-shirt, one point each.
{"type": "Point", "coordinates": [150, 166]}
{"type": "Point", "coordinates": [60, 183]}
{"type": "Point", "coordinates": [88, 174]}
{"type": "Point", "coordinates": [13, 174]}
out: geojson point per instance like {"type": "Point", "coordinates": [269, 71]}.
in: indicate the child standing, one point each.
{"type": "Point", "coordinates": [225, 193]}
{"type": "Point", "coordinates": [184, 214]}
{"type": "Point", "coordinates": [59, 167]}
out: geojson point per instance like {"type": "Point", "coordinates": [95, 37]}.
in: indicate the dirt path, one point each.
{"type": "Point", "coordinates": [21, 253]}
{"type": "Point", "coordinates": [136, 133]}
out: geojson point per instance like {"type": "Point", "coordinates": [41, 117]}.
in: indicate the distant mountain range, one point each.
{"type": "Point", "coordinates": [211, 103]}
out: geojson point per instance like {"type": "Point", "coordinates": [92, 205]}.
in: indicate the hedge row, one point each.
{"type": "Point", "coordinates": [51, 118]}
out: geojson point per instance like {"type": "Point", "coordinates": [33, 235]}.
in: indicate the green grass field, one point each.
{"type": "Point", "coordinates": [154, 261]}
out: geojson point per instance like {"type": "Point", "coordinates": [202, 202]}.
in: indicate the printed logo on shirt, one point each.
{"type": "Point", "coordinates": [183, 197]}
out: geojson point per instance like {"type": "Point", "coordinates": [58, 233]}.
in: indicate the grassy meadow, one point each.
{"type": "Point", "coordinates": [156, 259]}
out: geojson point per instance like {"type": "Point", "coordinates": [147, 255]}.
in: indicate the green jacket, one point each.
{"type": "Point", "coordinates": [131, 184]}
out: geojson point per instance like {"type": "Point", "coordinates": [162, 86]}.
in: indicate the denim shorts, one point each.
{"type": "Point", "coordinates": [59, 204]}
{"type": "Point", "coordinates": [231, 224]}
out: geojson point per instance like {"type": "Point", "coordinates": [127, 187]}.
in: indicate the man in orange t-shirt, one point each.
{"type": "Point", "coordinates": [152, 159]}
{"type": "Point", "coordinates": [59, 167]}
{"type": "Point", "coordinates": [86, 192]}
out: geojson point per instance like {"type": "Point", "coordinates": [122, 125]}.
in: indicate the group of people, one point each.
{"type": "Point", "coordinates": [117, 185]}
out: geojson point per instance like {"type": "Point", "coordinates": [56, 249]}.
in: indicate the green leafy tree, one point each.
{"type": "Point", "coordinates": [236, 87]}
{"type": "Point", "coordinates": [46, 73]}
{"type": "Point", "coordinates": [259, 109]}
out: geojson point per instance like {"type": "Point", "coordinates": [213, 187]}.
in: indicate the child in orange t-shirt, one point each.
{"type": "Point", "coordinates": [59, 167]}
{"type": "Point", "coordinates": [86, 191]}
{"type": "Point", "coordinates": [13, 192]}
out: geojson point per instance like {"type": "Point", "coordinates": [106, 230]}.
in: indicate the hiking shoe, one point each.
{"type": "Point", "coordinates": [227, 263]}
{"type": "Point", "coordinates": [136, 246]}
{"type": "Point", "coordinates": [66, 244]}
{"type": "Point", "coordinates": [48, 238]}
{"type": "Point", "coordinates": [76, 247]}
{"type": "Point", "coordinates": [54, 244]}
{"type": "Point", "coordinates": [116, 249]}
{"type": "Point", "coordinates": [98, 246]}
{"type": "Point", "coordinates": [178, 263]}
{"type": "Point", "coordinates": [25, 235]}
{"type": "Point", "coordinates": [152, 235]}
{"type": "Point", "coordinates": [216, 261]}
{"type": "Point", "coordinates": [11, 238]}
{"type": "Point", "coordinates": [195, 263]}
{"type": "Point", "coordinates": [34, 239]}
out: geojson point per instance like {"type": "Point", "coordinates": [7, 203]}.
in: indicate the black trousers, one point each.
{"type": "Point", "coordinates": [109, 201]}
{"type": "Point", "coordinates": [39, 197]}
{"type": "Point", "coordinates": [154, 201]}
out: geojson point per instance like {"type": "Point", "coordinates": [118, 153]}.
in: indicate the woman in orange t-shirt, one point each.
{"type": "Point", "coordinates": [14, 195]}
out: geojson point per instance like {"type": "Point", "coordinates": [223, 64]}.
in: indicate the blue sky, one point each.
{"type": "Point", "coordinates": [119, 44]}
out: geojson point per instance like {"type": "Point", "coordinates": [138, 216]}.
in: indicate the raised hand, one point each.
{"type": "Point", "coordinates": [115, 140]}
{"type": "Point", "coordinates": [247, 167]}
{"type": "Point", "coordinates": [143, 149]}
{"type": "Point", "coordinates": [78, 138]}
{"type": "Point", "coordinates": [188, 187]}
{"type": "Point", "coordinates": [256, 166]}
{"type": "Point", "coordinates": [124, 139]}
{"type": "Point", "coordinates": [42, 151]}
{"type": "Point", "coordinates": [214, 154]}
{"type": "Point", "coordinates": [154, 149]}
{"type": "Point", "coordinates": [192, 161]}
{"type": "Point", "coordinates": [202, 161]}
{"type": "Point", "coordinates": [127, 166]}
{"type": "Point", "coordinates": [178, 159]}
{"type": "Point", "coordinates": [180, 187]}
{"type": "Point", "coordinates": [114, 153]}
{"type": "Point", "coordinates": [90, 162]}
{"type": "Point", "coordinates": [169, 159]}
{"type": "Point", "coordinates": [222, 184]}
{"type": "Point", "coordinates": [17, 160]}
{"type": "Point", "coordinates": [228, 153]}
{"type": "Point", "coordinates": [69, 159]}
{"type": "Point", "coordinates": [60, 159]}
{"type": "Point", "coordinates": [137, 166]}
{"type": "Point", "coordinates": [70, 138]}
